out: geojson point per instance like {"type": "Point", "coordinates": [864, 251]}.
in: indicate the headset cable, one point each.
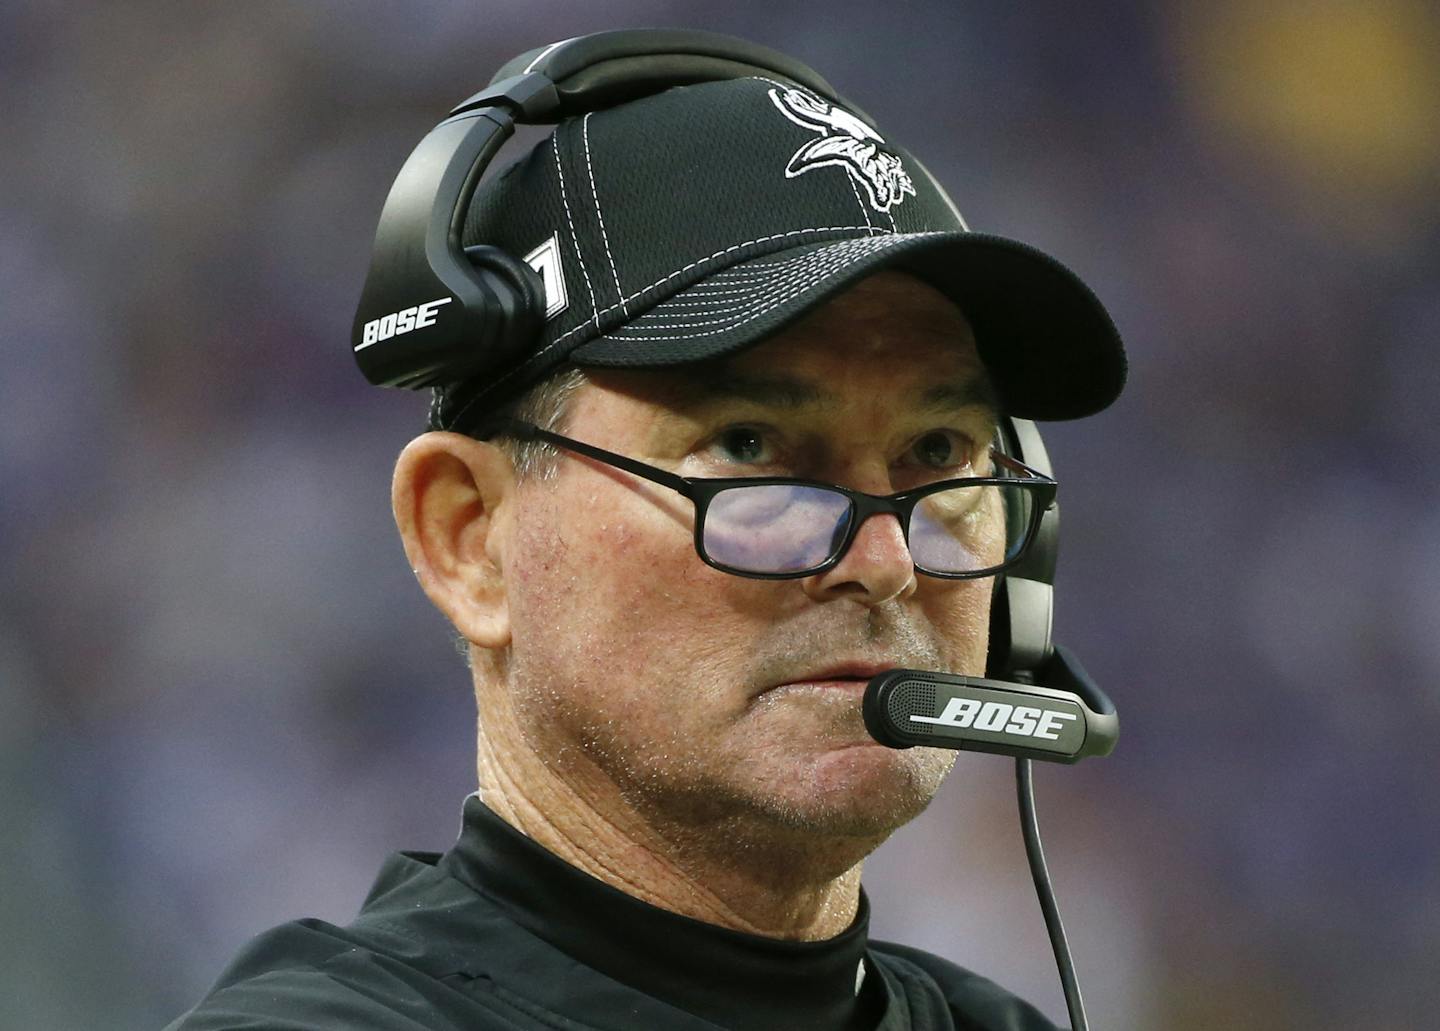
{"type": "Point", "coordinates": [1035, 853]}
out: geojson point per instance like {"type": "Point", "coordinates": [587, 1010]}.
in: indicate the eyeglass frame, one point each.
{"type": "Point", "coordinates": [701, 490]}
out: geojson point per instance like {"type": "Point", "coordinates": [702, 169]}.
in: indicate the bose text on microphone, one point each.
{"type": "Point", "coordinates": [906, 707]}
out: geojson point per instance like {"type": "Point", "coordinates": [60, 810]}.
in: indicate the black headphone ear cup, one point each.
{"type": "Point", "coordinates": [514, 303]}
{"type": "Point", "coordinates": [526, 285]}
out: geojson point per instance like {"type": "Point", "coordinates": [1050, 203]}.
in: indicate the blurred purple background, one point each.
{"type": "Point", "coordinates": [223, 700]}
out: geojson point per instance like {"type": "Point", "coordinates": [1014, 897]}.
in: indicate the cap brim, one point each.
{"type": "Point", "coordinates": [1050, 347]}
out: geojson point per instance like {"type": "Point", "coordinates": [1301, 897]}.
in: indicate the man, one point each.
{"type": "Point", "coordinates": [677, 792]}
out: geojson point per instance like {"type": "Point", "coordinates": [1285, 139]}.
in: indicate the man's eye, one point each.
{"type": "Point", "coordinates": [941, 449]}
{"type": "Point", "coordinates": [742, 444]}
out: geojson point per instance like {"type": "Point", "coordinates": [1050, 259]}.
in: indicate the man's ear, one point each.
{"type": "Point", "coordinates": [452, 495]}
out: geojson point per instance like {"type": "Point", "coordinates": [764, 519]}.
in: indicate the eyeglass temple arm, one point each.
{"type": "Point", "coordinates": [529, 431]}
{"type": "Point", "coordinates": [1017, 466]}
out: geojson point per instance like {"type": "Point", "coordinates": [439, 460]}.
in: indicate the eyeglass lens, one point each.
{"type": "Point", "coordinates": [789, 528]}
{"type": "Point", "coordinates": [966, 529]}
{"type": "Point", "coordinates": [775, 527]}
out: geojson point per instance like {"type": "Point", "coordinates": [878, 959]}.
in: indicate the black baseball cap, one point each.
{"type": "Point", "coordinates": [693, 223]}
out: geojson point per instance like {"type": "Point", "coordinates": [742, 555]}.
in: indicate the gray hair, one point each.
{"type": "Point", "coordinates": [547, 405]}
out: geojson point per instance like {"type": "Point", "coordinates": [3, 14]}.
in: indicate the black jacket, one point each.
{"type": "Point", "coordinates": [500, 933]}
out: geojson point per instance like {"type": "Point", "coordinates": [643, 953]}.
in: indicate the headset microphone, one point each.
{"type": "Point", "coordinates": [1064, 718]}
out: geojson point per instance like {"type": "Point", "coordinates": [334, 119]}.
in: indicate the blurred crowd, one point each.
{"type": "Point", "coordinates": [223, 700]}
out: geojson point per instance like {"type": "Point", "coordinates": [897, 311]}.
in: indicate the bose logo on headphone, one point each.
{"type": "Point", "coordinates": [401, 322]}
{"type": "Point", "coordinates": [1022, 720]}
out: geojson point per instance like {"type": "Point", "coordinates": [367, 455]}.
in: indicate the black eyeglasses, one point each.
{"type": "Point", "coordinates": [778, 528]}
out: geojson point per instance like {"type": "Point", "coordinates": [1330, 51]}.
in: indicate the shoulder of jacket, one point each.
{"type": "Point", "coordinates": [414, 936]}
{"type": "Point", "coordinates": [309, 974]}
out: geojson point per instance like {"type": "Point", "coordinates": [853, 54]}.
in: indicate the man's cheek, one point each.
{"type": "Point", "coordinates": [540, 559]}
{"type": "Point", "coordinates": [962, 621]}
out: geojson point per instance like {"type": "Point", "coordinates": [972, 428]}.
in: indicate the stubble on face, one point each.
{"type": "Point", "coordinates": [727, 748]}
{"type": "Point", "coordinates": [649, 682]}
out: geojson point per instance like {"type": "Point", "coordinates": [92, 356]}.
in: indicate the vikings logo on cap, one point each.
{"type": "Point", "coordinates": [845, 141]}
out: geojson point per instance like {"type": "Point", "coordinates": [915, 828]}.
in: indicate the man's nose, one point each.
{"type": "Point", "coordinates": [874, 569]}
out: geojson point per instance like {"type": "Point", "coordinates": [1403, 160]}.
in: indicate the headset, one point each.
{"type": "Point", "coordinates": [434, 312]}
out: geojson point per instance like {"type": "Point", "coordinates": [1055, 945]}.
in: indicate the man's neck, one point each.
{"type": "Point", "coordinates": [735, 872]}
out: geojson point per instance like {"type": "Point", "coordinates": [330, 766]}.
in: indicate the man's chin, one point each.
{"type": "Point", "coordinates": [860, 790]}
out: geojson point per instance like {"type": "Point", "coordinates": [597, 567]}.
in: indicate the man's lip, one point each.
{"type": "Point", "coordinates": [842, 675]}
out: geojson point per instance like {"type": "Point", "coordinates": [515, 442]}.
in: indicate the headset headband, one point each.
{"type": "Point", "coordinates": [610, 68]}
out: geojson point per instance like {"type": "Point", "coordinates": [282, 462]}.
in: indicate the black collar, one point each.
{"type": "Point", "coordinates": [736, 980]}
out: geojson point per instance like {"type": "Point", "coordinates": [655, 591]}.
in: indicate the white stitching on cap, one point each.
{"type": "Point", "coordinates": [729, 325]}
{"type": "Point", "coordinates": [574, 240]}
{"type": "Point", "coordinates": [765, 263]}
{"type": "Point", "coordinates": [704, 291]}
{"type": "Point", "coordinates": [727, 281]}
{"type": "Point", "coordinates": [757, 270]}
{"type": "Point", "coordinates": [784, 289]}
{"type": "Point", "coordinates": [701, 261]}
{"type": "Point", "coordinates": [728, 311]}
{"type": "Point", "coordinates": [799, 288]}
{"type": "Point", "coordinates": [745, 272]}
{"type": "Point", "coordinates": [595, 195]}
{"type": "Point", "coordinates": [864, 208]}
{"type": "Point", "coordinates": [746, 295]}
{"type": "Point", "coordinates": [761, 269]}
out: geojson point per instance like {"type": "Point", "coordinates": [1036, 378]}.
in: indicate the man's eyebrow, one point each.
{"type": "Point", "coordinates": [970, 393]}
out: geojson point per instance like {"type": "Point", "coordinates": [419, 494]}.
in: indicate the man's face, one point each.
{"type": "Point", "coordinates": [704, 696]}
